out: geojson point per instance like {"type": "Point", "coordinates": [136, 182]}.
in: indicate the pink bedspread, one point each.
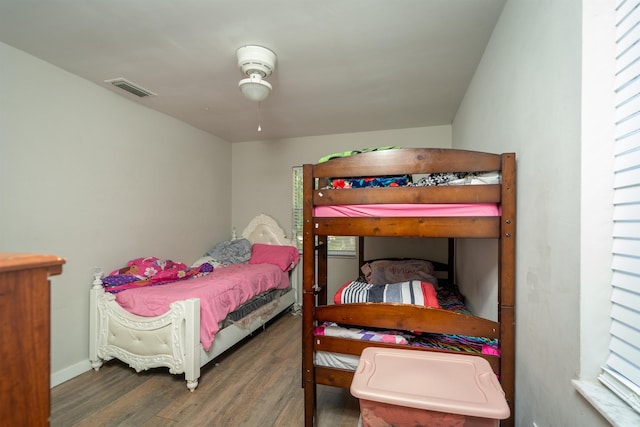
{"type": "Point", "coordinates": [406, 210]}
{"type": "Point", "coordinates": [220, 292]}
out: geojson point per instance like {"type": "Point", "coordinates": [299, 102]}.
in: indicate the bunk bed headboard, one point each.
{"type": "Point", "coordinates": [409, 161]}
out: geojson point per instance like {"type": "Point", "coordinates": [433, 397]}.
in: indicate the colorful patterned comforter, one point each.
{"type": "Point", "coordinates": [151, 271]}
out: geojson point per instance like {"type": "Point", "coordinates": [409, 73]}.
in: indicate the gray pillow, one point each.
{"type": "Point", "coordinates": [231, 252]}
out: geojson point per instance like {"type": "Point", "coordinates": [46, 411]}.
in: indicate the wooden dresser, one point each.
{"type": "Point", "coordinates": [25, 338]}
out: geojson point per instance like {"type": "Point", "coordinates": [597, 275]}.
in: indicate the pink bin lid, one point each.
{"type": "Point", "coordinates": [442, 382]}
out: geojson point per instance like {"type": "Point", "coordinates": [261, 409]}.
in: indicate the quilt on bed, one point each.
{"type": "Point", "coordinates": [220, 292]}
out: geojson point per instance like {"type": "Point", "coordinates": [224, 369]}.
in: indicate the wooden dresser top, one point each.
{"type": "Point", "coordinates": [15, 261]}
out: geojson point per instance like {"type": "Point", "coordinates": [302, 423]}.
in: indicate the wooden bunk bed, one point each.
{"type": "Point", "coordinates": [319, 225]}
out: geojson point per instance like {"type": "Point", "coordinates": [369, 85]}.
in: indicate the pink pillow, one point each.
{"type": "Point", "coordinates": [285, 257]}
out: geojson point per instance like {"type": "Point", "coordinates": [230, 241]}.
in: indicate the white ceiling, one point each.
{"type": "Point", "coordinates": [343, 65]}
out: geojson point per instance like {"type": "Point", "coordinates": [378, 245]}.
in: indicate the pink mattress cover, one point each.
{"type": "Point", "coordinates": [220, 292]}
{"type": "Point", "coordinates": [409, 210]}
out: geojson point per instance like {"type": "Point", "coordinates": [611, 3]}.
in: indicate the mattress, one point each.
{"type": "Point", "coordinates": [408, 210]}
{"type": "Point", "coordinates": [348, 362]}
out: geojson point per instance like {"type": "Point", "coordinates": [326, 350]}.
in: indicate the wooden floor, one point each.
{"type": "Point", "coordinates": [256, 384]}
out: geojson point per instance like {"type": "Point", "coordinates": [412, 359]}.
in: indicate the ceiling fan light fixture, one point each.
{"type": "Point", "coordinates": [254, 88]}
{"type": "Point", "coordinates": [256, 62]}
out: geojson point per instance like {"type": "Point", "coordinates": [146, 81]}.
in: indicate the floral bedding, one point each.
{"type": "Point", "coordinates": [432, 179]}
{"type": "Point", "coordinates": [151, 271]}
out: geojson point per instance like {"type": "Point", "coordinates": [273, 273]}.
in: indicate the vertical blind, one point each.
{"type": "Point", "coordinates": [621, 372]}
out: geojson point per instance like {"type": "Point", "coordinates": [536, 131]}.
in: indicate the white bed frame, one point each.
{"type": "Point", "coordinates": [173, 339]}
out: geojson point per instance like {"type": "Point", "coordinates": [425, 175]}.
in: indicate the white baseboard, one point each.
{"type": "Point", "coordinates": [70, 372]}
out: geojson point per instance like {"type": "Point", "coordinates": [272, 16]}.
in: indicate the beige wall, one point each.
{"type": "Point", "coordinates": [261, 181]}
{"type": "Point", "coordinates": [526, 97]}
{"type": "Point", "coordinates": [90, 176]}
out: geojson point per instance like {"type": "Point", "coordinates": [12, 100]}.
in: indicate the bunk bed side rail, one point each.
{"type": "Point", "coordinates": [408, 318]}
{"type": "Point", "coordinates": [469, 227]}
{"type": "Point", "coordinates": [354, 347]}
{"type": "Point", "coordinates": [334, 377]}
{"type": "Point", "coordinates": [490, 193]}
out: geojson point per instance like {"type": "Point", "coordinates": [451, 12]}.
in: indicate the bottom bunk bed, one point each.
{"type": "Point", "coordinates": [425, 314]}
{"type": "Point", "coordinates": [183, 325]}
{"type": "Point", "coordinates": [447, 297]}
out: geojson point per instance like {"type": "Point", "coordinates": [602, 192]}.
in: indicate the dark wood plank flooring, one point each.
{"type": "Point", "coordinates": [256, 384]}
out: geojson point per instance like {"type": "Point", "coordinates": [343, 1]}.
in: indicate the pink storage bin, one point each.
{"type": "Point", "coordinates": [408, 388]}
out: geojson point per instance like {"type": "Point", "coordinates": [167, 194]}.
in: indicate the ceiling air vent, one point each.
{"type": "Point", "coordinates": [132, 88]}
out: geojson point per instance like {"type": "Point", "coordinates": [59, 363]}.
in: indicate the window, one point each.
{"type": "Point", "coordinates": [621, 372]}
{"type": "Point", "coordinates": [336, 245]}
{"type": "Point", "coordinates": [297, 205]}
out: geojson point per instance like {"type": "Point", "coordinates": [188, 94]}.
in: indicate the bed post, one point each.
{"type": "Point", "coordinates": [308, 296]}
{"type": "Point", "coordinates": [94, 321]}
{"type": "Point", "coordinates": [451, 260]}
{"type": "Point", "coordinates": [322, 251]}
{"type": "Point", "coordinates": [360, 254]}
{"type": "Point", "coordinates": [507, 282]}
{"type": "Point", "coordinates": [191, 343]}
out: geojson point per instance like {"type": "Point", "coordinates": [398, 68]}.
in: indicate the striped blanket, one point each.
{"type": "Point", "coordinates": [410, 292]}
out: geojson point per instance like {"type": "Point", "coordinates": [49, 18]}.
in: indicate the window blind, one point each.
{"type": "Point", "coordinates": [621, 372]}
{"type": "Point", "coordinates": [336, 245]}
{"type": "Point", "coordinates": [297, 205]}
